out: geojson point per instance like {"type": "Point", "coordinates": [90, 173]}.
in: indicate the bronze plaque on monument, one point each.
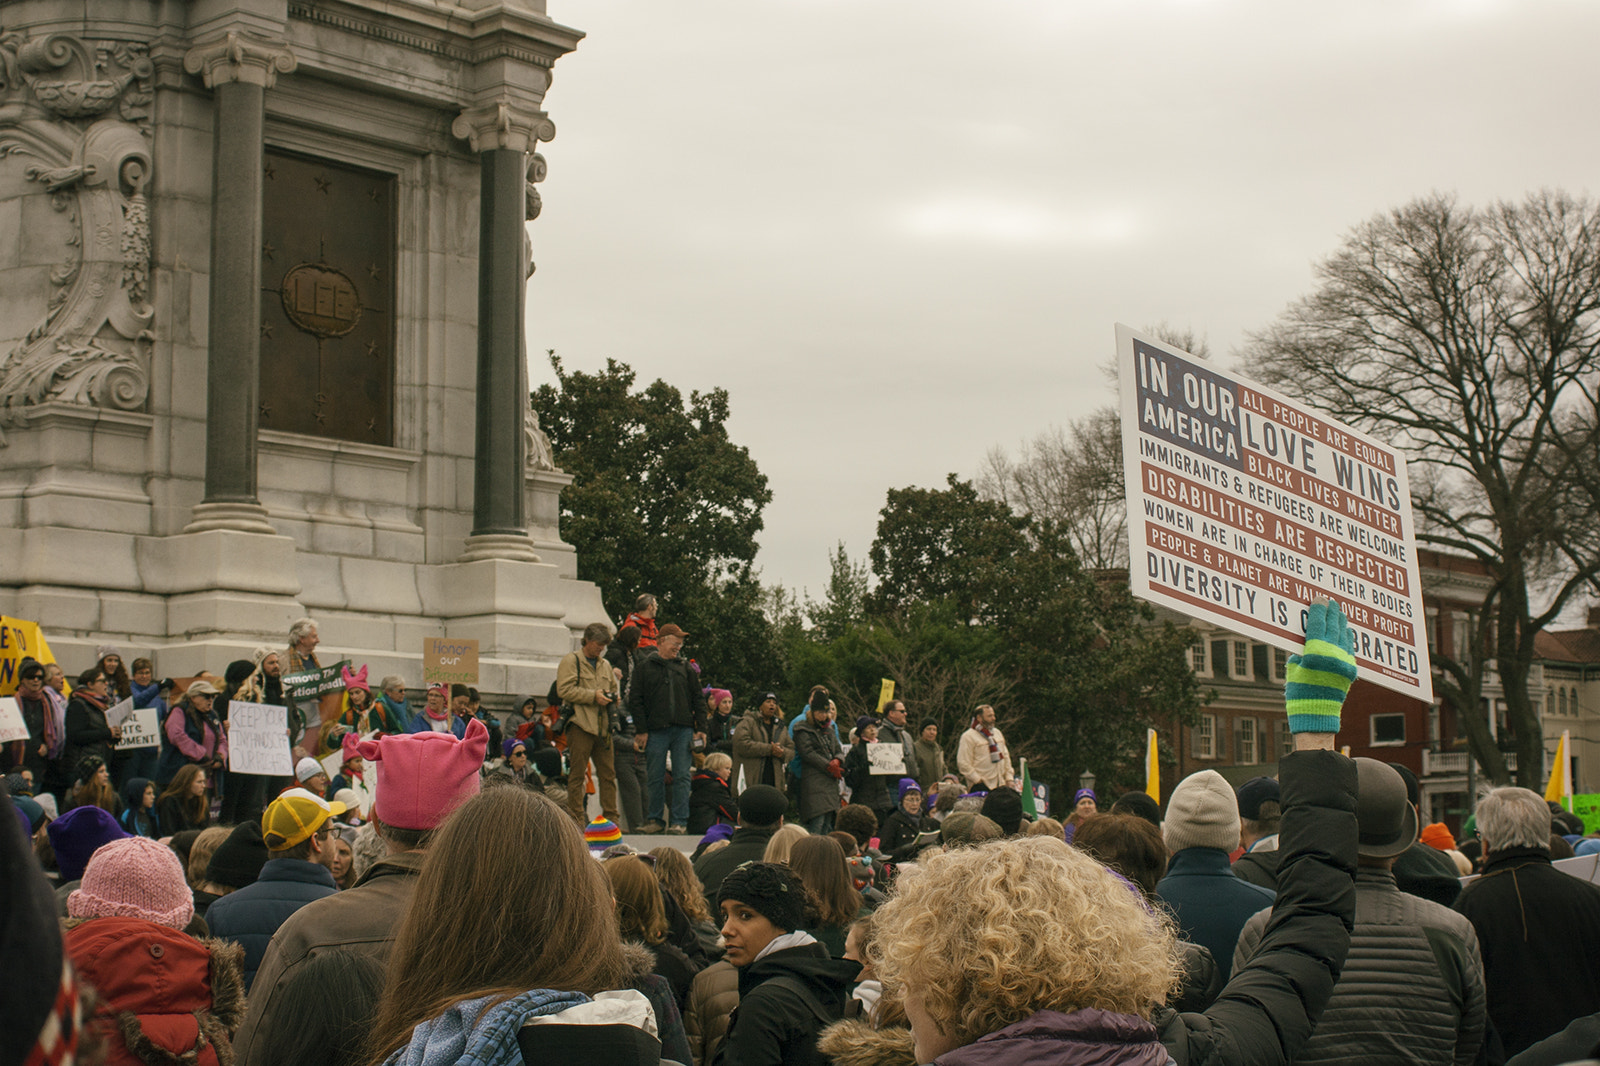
{"type": "Point", "coordinates": [327, 301]}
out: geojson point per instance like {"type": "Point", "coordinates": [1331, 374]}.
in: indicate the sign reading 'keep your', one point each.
{"type": "Point", "coordinates": [1243, 506]}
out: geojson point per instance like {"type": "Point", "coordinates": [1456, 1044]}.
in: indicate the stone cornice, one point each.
{"type": "Point", "coordinates": [446, 30]}
{"type": "Point", "coordinates": [236, 58]}
{"type": "Point", "coordinates": [503, 123]}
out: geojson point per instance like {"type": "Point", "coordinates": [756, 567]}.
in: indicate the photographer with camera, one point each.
{"type": "Point", "coordinates": [587, 685]}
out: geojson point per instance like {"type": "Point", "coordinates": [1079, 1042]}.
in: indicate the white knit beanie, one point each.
{"type": "Point", "coordinates": [1202, 813]}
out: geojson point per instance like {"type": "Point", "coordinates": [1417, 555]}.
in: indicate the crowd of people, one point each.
{"type": "Point", "coordinates": [841, 905]}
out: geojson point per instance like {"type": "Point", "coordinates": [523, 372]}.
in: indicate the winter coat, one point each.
{"type": "Point", "coordinates": [673, 966]}
{"type": "Point", "coordinates": [712, 997]}
{"type": "Point", "coordinates": [165, 997]}
{"type": "Point", "coordinates": [1429, 873]}
{"type": "Point", "coordinates": [1258, 868]}
{"type": "Point", "coordinates": [135, 819]}
{"type": "Point", "coordinates": [719, 732]}
{"type": "Point", "coordinates": [747, 844]}
{"type": "Point", "coordinates": [854, 1042]}
{"type": "Point", "coordinates": [1211, 904]}
{"type": "Point", "coordinates": [46, 719]}
{"type": "Point", "coordinates": [1269, 1009]}
{"type": "Point", "coordinates": [1411, 992]}
{"type": "Point", "coordinates": [669, 1019]}
{"type": "Point", "coordinates": [819, 789]}
{"type": "Point", "coordinates": [1539, 932]}
{"type": "Point", "coordinates": [665, 695]}
{"type": "Point", "coordinates": [580, 683]}
{"type": "Point", "coordinates": [867, 788]}
{"type": "Point", "coordinates": [899, 831]}
{"type": "Point", "coordinates": [930, 765]}
{"type": "Point", "coordinates": [255, 912]}
{"type": "Point", "coordinates": [363, 919]}
{"type": "Point", "coordinates": [1086, 1037]}
{"type": "Point", "coordinates": [974, 764]}
{"type": "Point", "coordinates": [777, 1025]}
{"type": "Point", "coordinates": [88, 733]}
{"type": "Point", "coordinates": [753, 738]}
{"type": "Point", "coordinates": [174, 816]}
{"type": "Point", "coordinates": [710, 803]}
{"type": "Point", "coordinates": [187, 739]}
{"type": "Point", "coordinates": [421, 723]}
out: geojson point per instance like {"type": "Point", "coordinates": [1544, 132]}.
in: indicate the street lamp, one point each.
{"type": "Point", "coordinates": [1086, 780]}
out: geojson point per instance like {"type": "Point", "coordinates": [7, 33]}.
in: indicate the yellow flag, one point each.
{"type": "Point", "coordinates": [1559, 790]}
{"type": "Point", "coordinates": [885, 694]}
{"type": "Point", "coordinates": [1152, 768]}
{"type": "Point", "coordinates": [19, 640]}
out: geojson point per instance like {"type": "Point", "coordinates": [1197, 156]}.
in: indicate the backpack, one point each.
{"type": "Point", "coordinates": [564, 714]}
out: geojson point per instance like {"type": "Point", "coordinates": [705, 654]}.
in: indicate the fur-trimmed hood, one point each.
{"type": "Point", "coordinates": [638, 958]}
{"type": "Point", "coordinates": [855, 1043]}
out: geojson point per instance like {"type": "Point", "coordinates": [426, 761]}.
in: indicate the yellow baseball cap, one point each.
{"type": "Point", "coordinates": [294, 816]}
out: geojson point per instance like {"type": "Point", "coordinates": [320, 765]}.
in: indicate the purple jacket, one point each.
{"type": "Point", "coordinates": [1049, 1038]}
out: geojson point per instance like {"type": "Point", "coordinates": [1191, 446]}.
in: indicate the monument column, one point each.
{"type": "Point", "coordinates": [238, 70]}
{"type": "Point", "coordinates": [502, 133]}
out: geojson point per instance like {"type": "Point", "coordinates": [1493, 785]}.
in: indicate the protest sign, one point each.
{"type": "Point", "coordinates": [309, 684]}
{"type": "Point", "coordinates": [12, 727]}
{"type": "Point", "coordinates": [1244, 506]}
{"type": "Point", "coordinates": [885, 696]}
{"type": "Point", "coordinates": [118, 712]}
{"type": "Point", "coordinates": [1586, 806]}
{"type": "Point", "coordinates": [886, 759]}
{"type": "Point", "coordinates": [19, 639]}
{"type": "Point", "coordinates": [139, 729]}
{"type": "Point", "coordinates": [1041, 796]}
{"type": "Point", "coordinates": [258, 739]}
{"type": "Point", "coordinates": [449, 661]}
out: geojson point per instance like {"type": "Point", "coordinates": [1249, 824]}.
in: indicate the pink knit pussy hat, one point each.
{"type": "Point", "coordinates": [134, 878]}
{"type": "Point", "coordinates": [422, 776]}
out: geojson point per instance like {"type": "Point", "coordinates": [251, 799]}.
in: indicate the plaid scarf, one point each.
{"type": "Point", "coordinates": [469, 1035]}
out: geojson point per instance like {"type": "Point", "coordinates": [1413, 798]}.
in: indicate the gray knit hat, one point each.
{"type": "Point", "coordinates": [1202, 813]}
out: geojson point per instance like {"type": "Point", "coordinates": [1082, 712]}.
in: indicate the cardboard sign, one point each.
{"type": "Point", "coordinates": [118, 712]}
{"type": "Point", "coordinates": [885, 695]}
{"type": "Point", "coordinates": [1244, 506]}
{"type": "Point", "coordinates": [140, 729]}
{"type": "Point", "coordinates": [1587, 807]}
{"type": "Point", "coordinates": [886, 759]}
{"type": "Point", "coordinates": [258, 740]}
{"type": "Point", "coordinates": [309, 684]}
{"type": "Point", "coordinates": [449, 661]}
{"type": "Point", "coordinates": [12, 727]}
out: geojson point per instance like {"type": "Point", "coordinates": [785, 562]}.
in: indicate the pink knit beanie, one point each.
{"type": "Point", "coordinates": [422, 776]}
{"type": "Point", "coordinates": [134, 878]}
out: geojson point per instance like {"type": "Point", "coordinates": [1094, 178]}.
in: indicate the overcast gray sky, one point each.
{"type": "Point", "coordinates": [900, 233]}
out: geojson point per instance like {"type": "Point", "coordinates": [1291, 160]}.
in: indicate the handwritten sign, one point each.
{"type": "Point", "coordinates": [1243, 506]}
{"type": "Point", "coordinates": [118, 712]}
{"type": "Point", "coordinates": [1586, 806]}
{"type": "Point", "coordinates": [258, 742]}
{"type": "Point", "coordinates": [886, 759]}
{"type": "Point", "coordinates": [12, 727]}
{"type": "Point", "coordinates": [309, 684]}
{"type": "Point", "coordinates": [140, 729]}
{"type": "Point", "coordinates": [449, 661]}
{"type": "Point", "coordinates": [885, 695]}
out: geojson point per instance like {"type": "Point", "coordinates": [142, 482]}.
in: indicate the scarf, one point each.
{"type": "Point", "coordinates": [393, 714]}
{"type": "Point", "coordinates": [440, 717]}
{"type": "Point", "coordinates": [53, 715]}
{"type": "Point", "coordinates": [469, 1035]}
{"type": "Point", "coordinates": [88, 697]}
{"type": "Point", "coordinates": [988, 734]}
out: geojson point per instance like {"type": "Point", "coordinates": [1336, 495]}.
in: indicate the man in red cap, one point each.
{"type": "Point", "coordinates": [421, 778]}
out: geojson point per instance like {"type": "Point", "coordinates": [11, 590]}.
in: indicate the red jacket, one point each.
{"type": "Point", "coordinates": [180, 991]}
{"type": "Point", "coordinates": [647, 630]}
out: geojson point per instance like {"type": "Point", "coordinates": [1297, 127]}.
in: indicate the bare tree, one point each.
{"type": "Point", "coordinates": [1471, 339]}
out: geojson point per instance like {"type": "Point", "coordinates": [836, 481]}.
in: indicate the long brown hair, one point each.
{"type": "Point", "coordinates": [195, 808]}
{"type": "Point", "coordinates": [508, 900]}
{"type": "Point", "coordinates": [677, 876]}
{"type": "Point", "coordinates": [820, 864]}
{"type": "Point", "coordinates": [639, 911]}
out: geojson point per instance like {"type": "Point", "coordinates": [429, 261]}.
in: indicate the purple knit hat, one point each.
{"type": "Point", "coordinates": [134, 878]}
{"type": "Point", "coordinates": [75, 836]}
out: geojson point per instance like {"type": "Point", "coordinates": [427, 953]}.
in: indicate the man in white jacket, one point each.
{"type": "Point", "coordinates": [982, 758]}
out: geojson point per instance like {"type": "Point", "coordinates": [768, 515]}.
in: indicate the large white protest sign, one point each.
{"type": "Point", "coordinates": [118, 712]}
{"type": "Point", "coordinates": [258, 739]}
{"type": "Point", "coordinates": [139, 730]}
{"type": "Point", "coordinates": [12, 727]}
{"type": "Point", "coordinates": [886, 759]}
{"type": "Point", "coordinates": [1243, 506]}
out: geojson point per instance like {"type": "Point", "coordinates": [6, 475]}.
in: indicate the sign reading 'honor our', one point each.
{"type": "Point", "coordinates": [1243, 506]}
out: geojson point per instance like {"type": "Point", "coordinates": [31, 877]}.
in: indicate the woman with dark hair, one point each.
{"type": "Point", "coordinates": [459, 987]}
{"type": "Point", "coordinates": [192, 733]}
{"type": "Point", "coordinates": [332, 998]}
{"type": "Point", "coordinates": [642, 917]}
{"type": "Point", "coordinates": [788, 986]}
{"type": "Point", "coordinates": [184, 804]}
{"type": "Point", "coordinates": [820, 864]}
{"type": "Point", "coordinates": [139, 808]}
{"type": "Point", "coordinates": [88, 732]}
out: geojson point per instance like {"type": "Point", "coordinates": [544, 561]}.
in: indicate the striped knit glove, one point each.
{"type": "Point", "coordinates": [1318, 679]}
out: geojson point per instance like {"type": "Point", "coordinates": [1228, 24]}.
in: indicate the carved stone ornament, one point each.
{"type": "Point", "coordinates": [237, 58]}
{"type": "Point", "coordinates": [503, 123]}
{"type": "Point", "coordinates": [539, 454]}
{"type": "Point", "coordinates": [70, 108]}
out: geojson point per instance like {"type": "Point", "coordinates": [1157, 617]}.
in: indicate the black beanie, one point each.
{"type": "Point", "coordinates": [771, 890]}
{"type": "Point", "coordinates": [238, 860]}
{"type": "Point", "coordinates": [1003, 807]}
{"type": "Point", "coordinates": [237, 672]}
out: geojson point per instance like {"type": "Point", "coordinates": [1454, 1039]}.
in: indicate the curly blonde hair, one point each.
{"type": "Point", "coordinates": [987, 936]}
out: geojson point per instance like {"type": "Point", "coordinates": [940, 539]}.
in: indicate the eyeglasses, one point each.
{"type": "Point", "coordinates": [329, 831]}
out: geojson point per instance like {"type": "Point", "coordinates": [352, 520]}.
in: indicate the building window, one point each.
{"type": "Point", "coordinates": [1432, 615]}
{"type": "Point", "coordinates": [1245, 741]}
{"type": "Point", "coordinates": [1285, 738]}
{"type": "Point", "coordinates": [1549, 704]}
{"type": "Point", "coordinates": [1561, 705]}
{"type": "Point", "coordinates": [1280, 664]}
{"type": "Point", "coordinates": [1573, 706]}
{"type": "Point", "coordinates": [1388, 730]}
{"type": "Point", "coordinates": [1206, 737]}
{"type": "Point", "coordinates": [1433, 724]}
{"type": "Point", "coordinates": [1241, 658]}
{"type": "Point", "coordinates": [1197, 656]}
{"type": "Point", "coordinates": [1460, 636]}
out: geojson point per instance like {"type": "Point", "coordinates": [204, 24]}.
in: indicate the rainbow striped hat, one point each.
{"type": "Point", "coordinates": [601, 834]}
